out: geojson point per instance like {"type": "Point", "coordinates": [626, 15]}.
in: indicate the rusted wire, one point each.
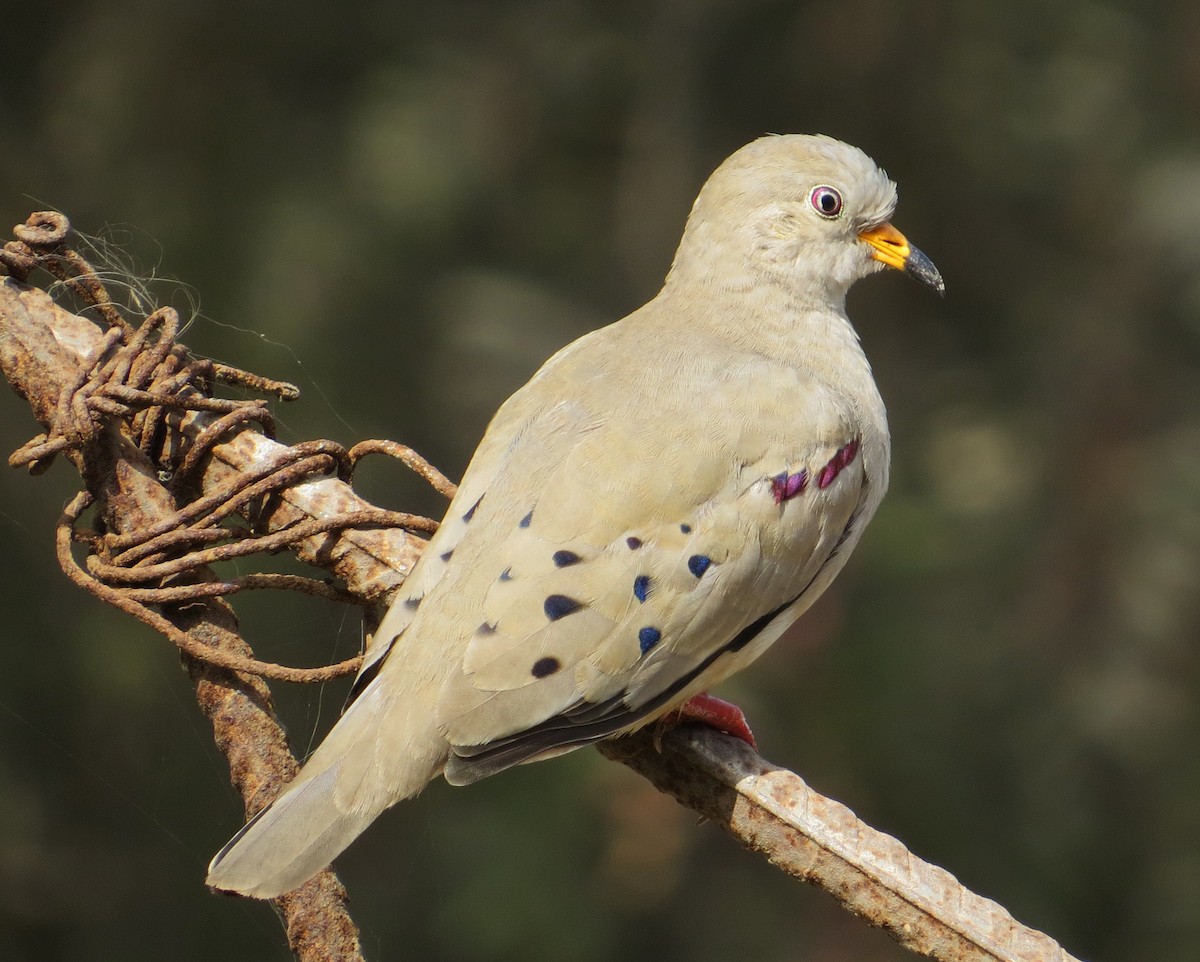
{"type": "Point", "coordinates": [178, 594]}
{"type": "Point", "coordinates": [202, 446]}
{"type": "Point", "coordinates": [119, 381]}
{"type": "Point", "coordinates": [144, 378]}
{"type": "Point", "coordinates": [182, 640]}
{"type": "Point", "coordinates": [253, 382]}
{"type": "Point", "coordinates": [41, 242]}
{"type": "Point", "coordinates": [407, 456]}
{"type": "Point", "coordinates": [202, 557]}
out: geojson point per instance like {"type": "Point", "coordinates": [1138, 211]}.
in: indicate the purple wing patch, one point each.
{"type": "Point", "coordinates": [846, 454]}
{"type": "Point", "coordinates": [786, 486]}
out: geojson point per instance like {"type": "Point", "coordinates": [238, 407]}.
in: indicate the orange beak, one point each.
{"type": "Point", "coordinates": [892, 248]}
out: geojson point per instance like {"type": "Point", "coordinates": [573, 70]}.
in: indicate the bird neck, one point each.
{"type": "Point", "coordinates": [774, 315]}
{"type": "Point", "coordinates": [799, 327]}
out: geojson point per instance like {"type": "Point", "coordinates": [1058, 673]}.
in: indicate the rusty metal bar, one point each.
{"type": "Point", "coordinates": [771, 811]}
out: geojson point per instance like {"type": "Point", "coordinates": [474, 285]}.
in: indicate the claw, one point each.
{"type": "Point", "coordinates": [716, 713]}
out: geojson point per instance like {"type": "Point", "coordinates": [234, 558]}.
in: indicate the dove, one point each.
{"type": "Point", "coordinates": [642, 519]}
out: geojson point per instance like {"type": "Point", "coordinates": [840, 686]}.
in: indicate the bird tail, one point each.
{"type": "Point", "coordinates": [360, 769]}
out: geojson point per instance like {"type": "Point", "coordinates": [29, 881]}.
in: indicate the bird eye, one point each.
{"type": "Point", "coordinates": [826, 201]}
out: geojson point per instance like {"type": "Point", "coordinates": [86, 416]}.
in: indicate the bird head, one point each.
{"type": "Point", "coordinates": [808, 210]}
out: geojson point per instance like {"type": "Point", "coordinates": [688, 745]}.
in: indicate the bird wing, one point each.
{"type": "Point", "coordinates": [598, 566]}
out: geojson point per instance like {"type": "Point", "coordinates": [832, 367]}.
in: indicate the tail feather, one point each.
{"type": "Point", "coordinates": [287, 843]}
{"type": "Point", "coordinates": [378, 753]}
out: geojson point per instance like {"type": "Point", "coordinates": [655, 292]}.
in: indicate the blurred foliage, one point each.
{"type": "Point", "coordinates": [405, 207]}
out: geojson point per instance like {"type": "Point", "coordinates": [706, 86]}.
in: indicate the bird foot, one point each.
{"type": "Point", "coordinates": [716, 713]}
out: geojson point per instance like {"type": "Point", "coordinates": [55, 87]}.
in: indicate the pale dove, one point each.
{"type": "Point", "coordinates": [642, 519]}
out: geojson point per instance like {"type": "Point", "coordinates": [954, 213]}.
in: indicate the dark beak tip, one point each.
{"type": "Point", "coordinates": [920, 268]}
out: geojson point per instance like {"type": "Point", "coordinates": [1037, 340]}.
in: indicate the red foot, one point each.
{"type": "Point", "coordinates": [722, 715]}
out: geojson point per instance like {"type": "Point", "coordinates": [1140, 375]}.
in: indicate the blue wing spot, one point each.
{"type": "Point", "coordinates": [506, 574]}
{"type": "Point", "coordinates": [524, 522]}
{"type": "Point", "coordinates": [566, 558]}
{"type": "Point", "coordinates": [634, 543]}
{"type": "Point", "coordinates": [471, 510]}
{"type": "Point", "coordinates": [447, 555]}
{"type": "Point", "coordinates": [486, 629]}
{"type": "Point", "coordinates": [559, 606]}
{"type": "Point", "coordinates": [648, 637]}
{"type": "Point", "coordinates": [685, 528]}
{"type": "Point", "coordinates": [545, 666]}
{"type": "Point", "coordinates": [412, 604]}
{"type": "Point", "coordinates": [641, 587]}
{"type": "Point", "coordinates": [698, 564]}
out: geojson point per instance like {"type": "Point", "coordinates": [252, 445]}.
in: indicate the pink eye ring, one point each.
{"type": "Point", "coordinates": [826, 201]}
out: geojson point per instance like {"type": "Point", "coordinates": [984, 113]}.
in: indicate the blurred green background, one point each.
{"type": "Point", "coordinates": [404, 207]}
